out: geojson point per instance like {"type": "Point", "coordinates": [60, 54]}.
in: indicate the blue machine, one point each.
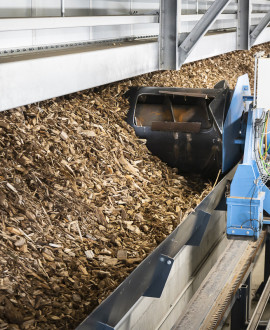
{"type": "Point", "coordinates": [204, 130]}
{"type": "Point", "coordinates": [249, 195]}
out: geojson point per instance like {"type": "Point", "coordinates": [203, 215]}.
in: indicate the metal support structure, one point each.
{"type": "Point", "coordinates": [259, 28]}
{"type": "Point", "coordinates": [201, 29]}
{"type": "Point", "coordinates": [266, 262]}
{"type": "Point", "coordinates": [243, 27]}
{"type": "Point", "coordinates": [62, 8]}
{"type": "Point", "coordinates": [256, 317]}
{"type": "Point", "coordinates": [239, 313]}
{"type": "Point", "coordinates": [267, 256]}
{"type": "Point", "coordinates": [168, 34]}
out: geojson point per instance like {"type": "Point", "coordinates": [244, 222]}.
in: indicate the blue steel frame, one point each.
{"type": "Point", "coordinates": [248, 195]}
{"type": "Point", "coordinates": [232, 125]}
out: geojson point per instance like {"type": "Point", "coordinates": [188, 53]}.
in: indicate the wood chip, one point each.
{"type": "Point", "coordinates": [12, 313]}
{"type": "Point", "coordinates": [64, 135]}
{"type": "Point", "coordinates": [4, 124]}
{"type": "Point", "coordinates": [20, 242]}
{"type": "Point", "coordinates": [83, 270]}
{"type": "Point", "coordinates": [15, 231]}
{"type": "Point", "coordinates": [88, 133]}
{"type": "Point", "coordinates": [85, 194]}
{"type": "Point", "coordinates": [89, 254]}
{"type": "Point", "coordinates": [122, 255]}
{"type": "Point", "coordinates": [100, 217]}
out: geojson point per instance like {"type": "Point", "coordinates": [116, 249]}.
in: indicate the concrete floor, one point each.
{"type": "Point", "coordinates": [256, 280]}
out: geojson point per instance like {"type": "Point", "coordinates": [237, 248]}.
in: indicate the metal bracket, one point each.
{"type": "Point", "coordinates": [248, 98]}
{"type": "Point", "coordinates": [201, 28]}
{"type": "Point", "coordinates": [160, 277]}
{"type": "Point", "coordinates": [199, 229]}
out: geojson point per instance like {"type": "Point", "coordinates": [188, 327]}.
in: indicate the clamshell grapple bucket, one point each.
{"type": "Point", "coordinates": [182, 126]}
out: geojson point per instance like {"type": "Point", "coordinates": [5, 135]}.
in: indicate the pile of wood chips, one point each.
{"type": "Point", "coordinates": [82, 201]}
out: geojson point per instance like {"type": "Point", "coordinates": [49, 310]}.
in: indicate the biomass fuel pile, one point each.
{"type": "Point", "coordinates": [82, 200]}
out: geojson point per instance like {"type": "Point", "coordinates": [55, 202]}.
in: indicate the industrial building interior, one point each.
{"type": "Point", "coordinates": [135, 164]}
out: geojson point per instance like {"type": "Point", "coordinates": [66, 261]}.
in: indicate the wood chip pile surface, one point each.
{"type": "Point", "coordinates": [82, 201]}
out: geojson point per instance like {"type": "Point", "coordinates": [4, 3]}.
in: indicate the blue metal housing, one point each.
{"type": "Point", "coordinates": [248, 194]}
{"type": "Point", "coordinates": [232, 125]}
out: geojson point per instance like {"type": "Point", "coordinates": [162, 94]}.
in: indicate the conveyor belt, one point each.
{"type": "Point", "coordinates": [180, 271]}
{"type": "Point", "coordinates": [165, 281]}
{"type": "Point", "coordinates": [209, 304]}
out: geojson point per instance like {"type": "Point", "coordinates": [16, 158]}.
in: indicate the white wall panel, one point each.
{"type": "Point", "coordinates": [263, 37]}
{"type": "Point", "coordinates": [263, 96]}
{"type": "Point", "coordinates": [143, 7]}
{"type": "Point", "coordinates": [77, 7]}
{"type": "Point", "coordinates": [145, 30]}
{"type": "Point", "coordinates": [47, 8]}
{"type": "Point", "coordinates": [15, 39]}
{"type": "Point", "coordinates": [15, 8]}
{"type": "Point", "coordinates": [114, 32]}
{"type": "Point", "coordinates": [105, 7]}
{"type": "Point", "coordinates": [105, 32]}
{"type": "Point", "coordinates": [37, 78]}
{"type": "Point", "coordinates": [56, 36]}
{"type": "Point", "coordinates": [210, 46]}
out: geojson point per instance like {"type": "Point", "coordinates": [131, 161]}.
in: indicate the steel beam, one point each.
{"type": "Point", "coordinates": [168, 34]}
{"type": "Point", "coordinates": [243, 27]}
{"type": "Point", "coordinates": [259, 28]}
{"type": "Point", "coordinates": [18, 24]}
{"type": "Point", "coordinates": [201, 28]}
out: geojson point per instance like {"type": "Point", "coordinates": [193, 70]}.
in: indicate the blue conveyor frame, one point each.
{"type": "Point", "coordinates": [249, 196]}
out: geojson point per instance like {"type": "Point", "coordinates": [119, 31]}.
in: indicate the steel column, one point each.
{"type": "Point", "coordinates": [259, 28]}
{"type": "Point", "coordinates": [168, 34]}
{"type": "Point", "coordinates": [243, 27]}
{"type": "Point", "coordinates": [201, 28]}
{"type": "Point", "coordinates": [62, 8]}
